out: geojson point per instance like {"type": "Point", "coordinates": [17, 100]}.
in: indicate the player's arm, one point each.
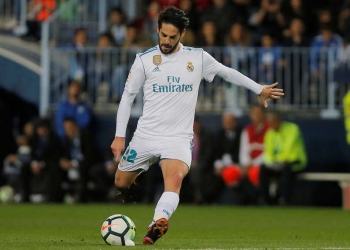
{"type": "Point", "coordinates": [211, 67]}
{"type": "Point", "coordinates": [133, 84]}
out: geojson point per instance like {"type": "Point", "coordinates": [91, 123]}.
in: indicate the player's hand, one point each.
{"type": "Point", "coordinates": [269, 92]}
{"type": "Point", "coordinates": [118, 146]}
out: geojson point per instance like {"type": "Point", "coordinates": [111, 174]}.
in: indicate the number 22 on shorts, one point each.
{"type": "Point", "coordinates": [129, 155]}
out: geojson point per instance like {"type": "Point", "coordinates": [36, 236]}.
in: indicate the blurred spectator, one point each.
{"type": "Point", "coordinates": [38, 12]}
{"type": "Point", "coordinates": [341, 72]}
{"type": "Point", "coordinates": [238, 36]}
{"type": "Point", "coordinates": [201, 176]}
{"type": "Point", "coordinates": [104, 65]}
{"type": "Point", "coordinates": [28, 130]}
{"type": "Point", "coordinates": [346, 107]}
{"type": "Point", "coordinates": [268, 18]}
{"type": "Point", "coordinates": [14, 112]}
{"type": "Point", "coordinates": [295, 65]}
{"type": "Point", "coordinates": [325, 18]}
{"type": "Point", "coordinates": [189, 39]}
{"type": "Point", "coordinates": [252, 142]}
{"type": "Point", "coordinates": [117, 26]}
{"type": "Point", "coordinates": [78, 60]}
{"type": "Point", "coordinates": [240, 39]}
{"type": "Point", "coordinates": [13, 165]}
{"type": "Point", "coordinates": [243, 179]}
{"type": "Point", "coordinates": [203, 5]}
{"type": "Point", "coordinates": [189, 6]}
{"type": "Point", "coordinates": [227, 145]}
{"type": "Point", "coordinates": [133, 42]}
{"type": "Point", "coordinates": [13, 162]}
{"type": "Point", "coordinates": [297, 9]}
{"type": "Point", "coordinates": [251, 154]}
{"type": "Point", "coordinates": [344, 19]}
{"type": "Point", "coordinates": [345, 58]}
{"type": "Point", "coordinates": [38, 176]}
{"type": "Point", "coordinates": [242, 9]}
{"type": "Point", "coordinates": [323, 45]}
{"type": "Point", "coordinates": [296, 35]}
{"type": "Point", "coordinates": [165, 3]}
{"type": "Point", "coordinates": [208, 35]}
{"type": "Point", "coordinates": [78, 157]}
{"type": "Point", "coordinates": [284, 156]}
{"type": "Point", "coordinates": [135, 39]}
{"type": "Point", "coordinates": [150, 23]}
{"type": "Point", "coordinates": [222, 14]}
{"type": "Point", "coordinates": [74, 108]}
{"type": "Point", "coordinates": [269, 59]}
{"type": "Point", "coordinates": [238, 51]}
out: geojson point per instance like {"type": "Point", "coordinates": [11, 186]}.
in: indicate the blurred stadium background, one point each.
{"type": "Point", "coordinates": [45, 45]}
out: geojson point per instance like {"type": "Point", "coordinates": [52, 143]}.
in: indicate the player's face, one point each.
{"type": "Point", "coordinates": [169, 38]}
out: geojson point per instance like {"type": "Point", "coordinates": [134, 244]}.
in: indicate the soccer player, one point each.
{"type": "Point", "coordinates": [169, 74]}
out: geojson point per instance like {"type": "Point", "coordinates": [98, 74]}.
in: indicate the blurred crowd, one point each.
{"type": "Point", "coordinates": [56, 160]}
{"type": "Point", "coordinates": [222, 22]}
{"type": "Point", "coordinates": [294, 41]}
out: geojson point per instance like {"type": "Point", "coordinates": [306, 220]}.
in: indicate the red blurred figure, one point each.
{"type": "Point", "coordinates": [165, 3]}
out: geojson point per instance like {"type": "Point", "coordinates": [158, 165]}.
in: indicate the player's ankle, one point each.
{"type": "Point", "coordinates": [122, 194]}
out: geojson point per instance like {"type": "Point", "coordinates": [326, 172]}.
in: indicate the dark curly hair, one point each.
{"type": "Point", "coordinates": [174, 16]}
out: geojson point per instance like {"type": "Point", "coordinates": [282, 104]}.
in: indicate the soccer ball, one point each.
{"type": "Point", "coordinates": [118, 230]}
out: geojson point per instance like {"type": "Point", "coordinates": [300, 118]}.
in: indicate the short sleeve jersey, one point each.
{"type": "Point", "coordinates": [170, 85]}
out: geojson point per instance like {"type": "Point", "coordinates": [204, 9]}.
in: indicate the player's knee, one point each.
{"type": "Point", "coordinates": [120, 182]}
{"type": "Point", "coordinates": [176, 179]}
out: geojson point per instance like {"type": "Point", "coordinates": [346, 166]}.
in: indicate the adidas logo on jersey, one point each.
{"type": "Point", "coordinates": [156, 69]}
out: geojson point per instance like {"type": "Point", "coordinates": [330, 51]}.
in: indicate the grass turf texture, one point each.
{"type": "Point", "coordinates": [78, 227]}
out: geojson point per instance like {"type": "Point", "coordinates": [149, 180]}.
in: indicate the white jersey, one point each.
{"type": "Point", "coordinates": [170, 85]}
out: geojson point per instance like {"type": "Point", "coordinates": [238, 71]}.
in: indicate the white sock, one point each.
{"type": "Point", "coordinates": [166, 206]}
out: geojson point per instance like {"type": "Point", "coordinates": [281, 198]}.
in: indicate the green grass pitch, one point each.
{"type": "Point", "coordinates": [191, 227]}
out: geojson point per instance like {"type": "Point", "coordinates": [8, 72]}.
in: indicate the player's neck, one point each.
{"type": "Point", "coordinates": [177, 48]}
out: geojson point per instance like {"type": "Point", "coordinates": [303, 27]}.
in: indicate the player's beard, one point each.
{"type": "Point", "coordinates": [172, 48]}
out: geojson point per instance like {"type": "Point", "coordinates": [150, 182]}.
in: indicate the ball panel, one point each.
{"type": "Point", "coordinates": [130, 234]}
{"type": "Point", "coordinates": [115, 240]}
{"type": "Point", "coordinates": [105, 239]}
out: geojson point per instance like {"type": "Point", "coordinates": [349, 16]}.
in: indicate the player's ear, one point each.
{"type": "Point", "coordinates": [183, 33]}
{"type": "Point", "coordinates": [157, 28]}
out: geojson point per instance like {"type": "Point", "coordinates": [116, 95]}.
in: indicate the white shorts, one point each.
{"type": "Point", "coordinates": [142, 153]}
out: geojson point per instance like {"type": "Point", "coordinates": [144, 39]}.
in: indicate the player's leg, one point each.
{"type": "Point", "coordinates": [137, 158]}
{"type": "Point", "coordinates": [173, 173]}
{"type": "Point", "coordinates": [123, 180]}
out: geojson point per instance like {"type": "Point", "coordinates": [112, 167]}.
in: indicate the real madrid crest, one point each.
{"type": "Point", "coordinates": [157, 59]}
{"type": "Point", "coordinates": [190, 67]}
